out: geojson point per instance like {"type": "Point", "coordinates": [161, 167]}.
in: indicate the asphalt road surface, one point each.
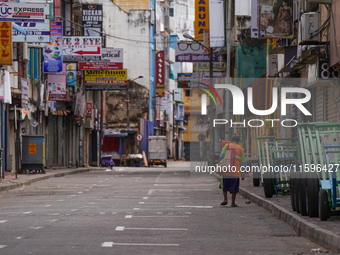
{"type": "Point", "coordinates": [138, 211]}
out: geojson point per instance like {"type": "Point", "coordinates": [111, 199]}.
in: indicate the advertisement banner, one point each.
{"type": "Point", "coordinates": [36, 32]}
{"type": "Point", "coordinates": [92, 18]}
{"type": "Point", "coordinates": [6, 43]}
{"type": "Point", "coordinates": [56, 87]}
{"type": "Point", "coordinates": [53, 59]}
{"type": "Point", "coordinates": [71, 74]}
{"type": "Point", "coordinates": [193, 52]}
{"type": "Point", "coordinates": [184, 80]}
{"type": "Point", "coordinates": [89, 110]}
{"type": "Point", "coordinates": [201, 18]}
{"type": "Point", "coordinates": [105, 79]}
{"type": "Point", "coordinates": [254, 23]}
{"type": "Point", "coordinates": [18, 12]}
{"type": "Point", "coordinates": [275, 19]}
{"type": "Point", "coordinates": [216, 23]}
{"type": "Point", "coordinates": [82, 46]}
{"type": "Point", "coordinates": [160, 72]}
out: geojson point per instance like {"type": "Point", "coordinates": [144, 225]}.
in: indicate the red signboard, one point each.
{"type": "Point", "coordinates": [100, 66]}
{"type": "Point", "coordinates": [89, 110]}
{"type": "Point", "coordinates": [160, 71]}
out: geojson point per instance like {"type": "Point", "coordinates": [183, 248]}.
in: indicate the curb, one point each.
{"type": "Point", "coordinates": [319, 235]}
{"type": "Point", "coordinates": [15, 185]}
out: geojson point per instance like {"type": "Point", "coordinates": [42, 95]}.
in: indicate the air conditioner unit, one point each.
{"type": "Point", "coordinates": [275, 62]}
{"type": "Point", "coordinates": [309, 24]}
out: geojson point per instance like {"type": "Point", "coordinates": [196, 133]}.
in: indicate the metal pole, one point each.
{"type": "Point", "coordinates": [127, 106]}
{"type": "Point", "coordinates": [173, 125]}
{"type": "Point", "coordinates": [101, 128]}
{"type": "Point", "coordinates": [227, 95]}
{"type": "Point", "coordinates": [211, 111]}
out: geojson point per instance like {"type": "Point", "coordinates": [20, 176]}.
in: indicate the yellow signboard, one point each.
{"type": "Point", "coordinates": [201, 18]}
{"type": "Point", "coordinates": [106, 76]}
{"type": "Point", "coordinates": [5, 43]}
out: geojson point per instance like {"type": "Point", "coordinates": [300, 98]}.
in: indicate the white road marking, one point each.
{"type": "Point", "coordinates": [156, 216]}
{"type": "Point", "coordinates": [73, 195]}
{"type": "Point", "coordinates": [53, 214]}
{"type": "Point", "coordinates": [80, 192]}
{"type": "Point", "coordinates": [141, 203]}
{"type": "Point", "coordinates": [150, 192]}
{"type": "Point", "coordinates": [48, 205]}
{"type": "Point", "coordinates": [194, 206]}
{"type": "Point", "coordinates": [135, 209]}
{"type": "Point", "coordinates": [19, 237]}
{"type": "Point", "coordinates": [53, 220]}
{"type": "Point", "coordinates": [3, 221]}
{"type": "Point", "coordinates": [74, 210]}
{"type": "Point", "coordinates": [27, 212]}
{"type": "Point", "coordinates": [122, 228]}
{"type": "Point", "coordinates": [39, 227]}
{"type": "Point", "coordinates": [102, 213]}
{"type": "Point", "coordinates": [60, 200]}
{"type": "Point", "coordinates": [111, 244]}
{"type": "Point", "coordinates": [2, 246]}
{"type": "Point", "coordinates": [145, 197]}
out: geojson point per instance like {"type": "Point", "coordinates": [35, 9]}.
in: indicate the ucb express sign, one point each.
{"type": "Point", "coordinates": [285, 100]}
{"type": "Point", "coordinates": [17, 12]}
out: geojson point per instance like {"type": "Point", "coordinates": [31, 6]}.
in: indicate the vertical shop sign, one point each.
{"type": "Point", "coordinates": [53, 59]}
{"type": "Point", "coordinates": [6, 43]}
{"type": "Point", "coordinates": [92, 17]}
{"type": "Point", "coordinates": [201, 18]}
{"type": "Point", "coordinates": [160, 79]}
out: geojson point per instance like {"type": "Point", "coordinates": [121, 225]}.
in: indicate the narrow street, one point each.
{"type": "Point", "coordinates": [138, 211]}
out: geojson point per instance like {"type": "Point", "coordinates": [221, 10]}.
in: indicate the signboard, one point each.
{"type": "Point", "coordinates": [18, 12]}
{"type": "Point", "coordinates": [100, 66]}
{"type": "Point", "coordinates": [205, 66]}
{"type": "Point", "coordinates": [180, 112]}
{"type": "Point", "coordinates": [82, 45]}
{"type": "Point", "coordinates": [71, 74]}
{"type": "Point", "coordinates": [275, 19]}
{"type": "Point", "coordinates": [53, 59]}
{"type": "Point", "coordinates": [201, 18]}
{"type": "Point", "coordinates": [139, 137]}
{"type": "Point", "coordinates": [56, 87]}
{"type": "Point", "coordinates": [5, 43]}
{"type": "Point", "coordinates": [216, 23]}
{"type": "Point", "coordinates": [89, 110]}
{"type": "Point", "coordinates": [36, 32]}
{"type": "Point", "coordinates": [108, 55]}
{"type": "Point", "coordinates": [160, 72]}
{"type": "Point", "coordinates": [92, 18]}
{"type": "Point", "coordinates": [105, 79]}
{"type": "Point", "coordinates": [193, 52]}
{"type": "Point", "coordinates": [254, 23]}
{"type": "Point", "coordinates": [183, 80]}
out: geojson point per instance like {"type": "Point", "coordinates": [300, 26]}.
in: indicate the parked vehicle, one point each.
{"type": "Point", "coordinates": [157, 151]}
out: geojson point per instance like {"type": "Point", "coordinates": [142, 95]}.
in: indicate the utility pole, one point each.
{"type": "Point", "coordinates": [211, 160]}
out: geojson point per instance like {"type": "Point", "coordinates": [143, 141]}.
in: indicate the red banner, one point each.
{"type": "Point", "coordinates": [160, 72]}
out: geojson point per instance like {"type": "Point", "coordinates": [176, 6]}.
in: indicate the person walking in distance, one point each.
{"type": "Point", "coordinates": [232, 158]}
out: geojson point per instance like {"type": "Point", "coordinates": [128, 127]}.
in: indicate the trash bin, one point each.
{"type": "Point", "coordinates": [107, 160]}
{"type": "Point", "coordinates": [32, 153]}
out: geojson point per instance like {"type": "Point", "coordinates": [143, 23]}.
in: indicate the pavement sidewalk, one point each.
{"type": "Point", "coordinates": [324, 233]}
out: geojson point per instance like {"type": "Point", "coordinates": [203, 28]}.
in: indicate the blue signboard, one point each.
{"type": "Point", "coordinates": [53, 59]}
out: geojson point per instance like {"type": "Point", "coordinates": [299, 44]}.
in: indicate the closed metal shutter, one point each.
{"type": "Point", "coordinates": [333, 98]}
{"type": "Point", "coordinates": [319, 104]}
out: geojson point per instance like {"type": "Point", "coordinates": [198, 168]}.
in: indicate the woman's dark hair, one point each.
{"type": "Point", "coordinates": [235, 139]}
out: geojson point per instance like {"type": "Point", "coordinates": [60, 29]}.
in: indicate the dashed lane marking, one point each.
{"type": "Point", "coordinates": [122, 228]}
{"type": "Point", "coordinates": [156, 216]}
{"type": "Point", "coordinates": [3, 221]}
{"type": "Point", "coordinates": [27, 212]}
{"type": "Point", "coordinates": [2, 246]}
{"type": "Point", "coordinates": [111, 244]}
{"type": "Point", "coordinates": [194, 206]}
